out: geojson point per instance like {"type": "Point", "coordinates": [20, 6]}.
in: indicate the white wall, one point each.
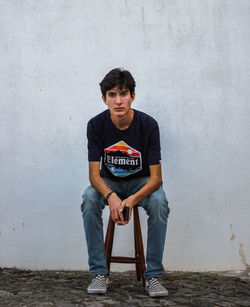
{"type": "Point", "coordinates": [191, 63]}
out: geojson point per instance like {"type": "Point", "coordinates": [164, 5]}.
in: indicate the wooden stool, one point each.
{"type": "Point", "coordinates": [139, 258]}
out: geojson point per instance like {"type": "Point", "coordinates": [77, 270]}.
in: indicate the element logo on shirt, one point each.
{"type": "Point", "coordinates": [122, 160]}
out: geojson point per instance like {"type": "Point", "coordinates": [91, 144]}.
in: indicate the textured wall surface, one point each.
{"type": "Point", "coordinates": [191, 63]}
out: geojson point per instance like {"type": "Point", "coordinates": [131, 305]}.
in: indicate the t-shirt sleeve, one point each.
{"type": "Point", "coordinates": [154, 149]}
{"type": "Point", "coordinates": [94, 144]}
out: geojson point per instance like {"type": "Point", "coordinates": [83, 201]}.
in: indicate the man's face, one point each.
{"type": "Point", "coordinates": [118, 101]}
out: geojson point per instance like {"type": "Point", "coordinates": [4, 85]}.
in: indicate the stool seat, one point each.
{"type": "Point", "coordinates": [139, 258]}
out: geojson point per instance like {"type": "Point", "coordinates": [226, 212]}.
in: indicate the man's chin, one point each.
{"type": "Point", "coordinates": [119, 113]}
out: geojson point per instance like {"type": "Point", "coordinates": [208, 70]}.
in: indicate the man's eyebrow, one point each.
{"type": "Point", "coordinates": [121, 91]}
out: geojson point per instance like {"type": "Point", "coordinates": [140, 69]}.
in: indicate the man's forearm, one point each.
{"type": "Point", "coordinates": [99, 184]}
{"type": "Point", "coordinates": [151, 186]}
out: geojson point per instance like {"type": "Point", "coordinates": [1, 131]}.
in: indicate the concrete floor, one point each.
{"type": "Point", "coordinates": [67, 288]}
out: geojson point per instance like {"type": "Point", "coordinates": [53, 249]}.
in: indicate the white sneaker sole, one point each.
{"type": "Point", "coordinates": [97, 291]}
{"type": "Point", "coordinates": [157, 294]}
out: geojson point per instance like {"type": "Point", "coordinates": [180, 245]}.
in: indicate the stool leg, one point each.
{"type": "Point", "coordinates": [137, 265]}
{"type": "Point", "coordinates": [140, 265]}
{"type": "Point", "coordinates": [109, 242]}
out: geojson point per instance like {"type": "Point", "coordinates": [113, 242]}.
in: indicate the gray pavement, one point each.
{"type": "Point", "coordinates": [67, 288]}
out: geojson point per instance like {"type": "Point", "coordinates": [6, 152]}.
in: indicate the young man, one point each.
{"type": "Point", "coordinates": [124, 170]}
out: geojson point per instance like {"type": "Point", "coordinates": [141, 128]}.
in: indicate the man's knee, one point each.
{"type": "Point", "coordinates": [91, 201]}
{"type": "Point", "coordinates": [157, 204]}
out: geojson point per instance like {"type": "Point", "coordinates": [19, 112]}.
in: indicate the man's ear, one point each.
{"type": "Point", "coordinates": [104, 99]}
{"type": "Point", "coordinates": [133, 96]}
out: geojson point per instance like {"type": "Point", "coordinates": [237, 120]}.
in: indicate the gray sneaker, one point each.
{"type": "Point", "coordinates": [98, 285]}
{"type": "Point", "coordinates": [155, 288]}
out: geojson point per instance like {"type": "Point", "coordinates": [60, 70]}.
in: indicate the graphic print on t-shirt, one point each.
{"type": "Point", "coordinates": [122, 160]}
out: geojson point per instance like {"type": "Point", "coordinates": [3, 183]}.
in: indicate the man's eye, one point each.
{"type": "Point", "coordinates": [124, 93]}
{"type": "Point", "coordinates": [111, 94]}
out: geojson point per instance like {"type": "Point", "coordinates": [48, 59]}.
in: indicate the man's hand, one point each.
{"type": "Point", "coordinates": [129, 202]}
{"type": "Point", "coordinates": [115, 205]}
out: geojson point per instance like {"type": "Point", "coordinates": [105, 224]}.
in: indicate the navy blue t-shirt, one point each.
{"type": "Point", "coordinates": [124, 154]}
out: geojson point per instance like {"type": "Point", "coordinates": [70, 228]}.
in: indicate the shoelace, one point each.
{"type": "Point", "coordinates": [153, 280]}
{"type": "Point", "coordinates": [98, 277]}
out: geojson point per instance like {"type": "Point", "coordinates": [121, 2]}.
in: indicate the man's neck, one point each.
{"type": "Point", "coordinates": [122, 123]}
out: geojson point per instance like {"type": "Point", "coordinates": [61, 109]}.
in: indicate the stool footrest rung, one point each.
{"type": "Point", "coordinates": [119, 259]}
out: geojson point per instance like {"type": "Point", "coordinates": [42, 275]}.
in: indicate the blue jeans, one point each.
{"type": "Point", "coordinates": [156, 207]}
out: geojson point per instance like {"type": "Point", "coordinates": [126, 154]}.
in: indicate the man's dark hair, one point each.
{"type": "Point", "coordinates": [120, 78]}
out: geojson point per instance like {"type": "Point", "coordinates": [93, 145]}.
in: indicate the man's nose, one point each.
{"type": "Point", "coordinates": [118, 99]}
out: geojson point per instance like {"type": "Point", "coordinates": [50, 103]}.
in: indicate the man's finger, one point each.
{"type": "Point", "coordinates": [114, 215]}
{"type": "Point", "coordinates": [120, 223]}
{"type": "Point", "coordinates": [120, 215]}
{"type": "Point", "coordinates": [130, 212]}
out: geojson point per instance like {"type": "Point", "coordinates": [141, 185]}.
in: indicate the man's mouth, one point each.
{"type": "Point", "coordinates": [119, 109]}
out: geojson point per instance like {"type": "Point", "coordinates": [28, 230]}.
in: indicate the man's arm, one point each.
{"type": "Point", "coordinates": [100, 185]}
{"type": "Point", "coordinates": [152, 185]}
